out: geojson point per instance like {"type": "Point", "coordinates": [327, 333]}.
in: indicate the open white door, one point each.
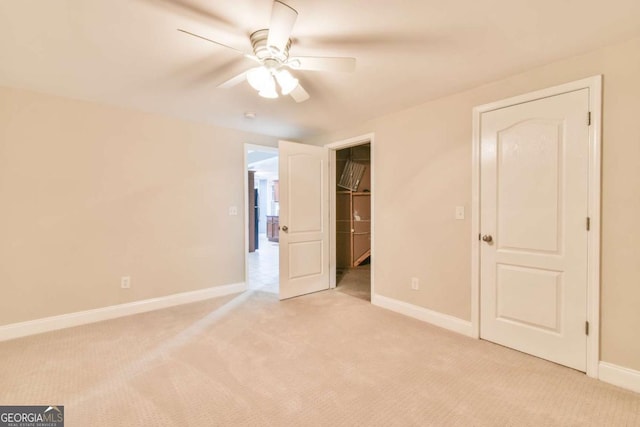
{"type": "Point", "coordinates": [304, 219]}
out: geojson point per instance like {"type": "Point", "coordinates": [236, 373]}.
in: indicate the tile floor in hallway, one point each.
{"type": "Point", "coordinates": [263, 272]}
{"type": "Point", "coordinates": [263, 268]}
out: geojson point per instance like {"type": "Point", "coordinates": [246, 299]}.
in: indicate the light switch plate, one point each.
{"type": "Point", "coordinates": [233, 210]}
{"type": "Point", "coordinates": [459, 212]}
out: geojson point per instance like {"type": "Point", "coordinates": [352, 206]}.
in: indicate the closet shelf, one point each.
{"type": "Point", "coordinates": [354, 193]}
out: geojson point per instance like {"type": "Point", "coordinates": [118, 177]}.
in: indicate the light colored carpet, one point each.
{"type": "Point", "coordinates": [326, 359]}
{"type": "Point", "coordinates": [355, 281]}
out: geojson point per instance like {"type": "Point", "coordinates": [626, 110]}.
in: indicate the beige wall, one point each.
{"type": "Point", "coordinates": [423, 170]}
{"type": "Point", "coordinates": [90, 193]}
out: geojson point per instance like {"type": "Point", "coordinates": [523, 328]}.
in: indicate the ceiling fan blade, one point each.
{"type": "Point", "coordinates": [234, 81]}
{"type": "Point", "coordinates": [316, 63]}
{"type": "Point", "coordinates": [219, 44]}
{"type": "Point", "coordinates": [299, 94]}
{"type": "Point", "coordinates": [283, 18]}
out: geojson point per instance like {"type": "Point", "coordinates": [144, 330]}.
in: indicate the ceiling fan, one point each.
{"type": "Point", "coordinates": [271, 51]}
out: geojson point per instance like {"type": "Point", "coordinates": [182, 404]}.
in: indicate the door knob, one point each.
{"type": "Point", "coordinates": [487, 238]}
{"type": "Point", "coordinates": [285, 228]}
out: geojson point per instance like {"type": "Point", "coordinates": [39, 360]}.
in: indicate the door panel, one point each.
{"type": "Point", "coordinates": [529, 185]}
{"type": "Point", "coordinates": [304, 211]}
{"type": "Point", "coordinates": [305, 259]}
{"type": "Point", "coordinates": [305, 193]}
{"type": "Point", "coordinates": [533, 272]}
{"type": "Point", "coordinates": [529, 296]}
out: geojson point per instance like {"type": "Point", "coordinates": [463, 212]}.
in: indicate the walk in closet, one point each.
{"type": "Point", "coordinates": [353, 206]}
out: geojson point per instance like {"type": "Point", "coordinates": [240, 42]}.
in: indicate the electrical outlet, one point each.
{"type": "Point", "coordinates": [415, 283]}
{"type": "Point", "coordinates": [125, 282]}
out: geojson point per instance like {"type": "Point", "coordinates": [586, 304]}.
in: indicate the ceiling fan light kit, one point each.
{"type": "Point", "coordinates": [262, 79]}
{"type": "Point", "coordinates": [268, 89]}
{"type": "Point", "coordinates": [271, 49]}
{"type": "Point", "coordinates": [286, 81]}
{"type": "Point", "coordinates": [269, 93]}
{"type": "Point", "coordinates": [259, 78]}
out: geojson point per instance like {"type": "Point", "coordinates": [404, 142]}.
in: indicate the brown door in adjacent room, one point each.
{"type": "Point", "coordinates": [252, 211]}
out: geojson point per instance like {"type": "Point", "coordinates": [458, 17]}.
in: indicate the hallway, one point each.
{"type": "Point", "coordinates": [263, 266]}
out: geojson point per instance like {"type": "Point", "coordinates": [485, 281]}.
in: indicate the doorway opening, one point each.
{"type": "Point", "coordinates": [262, 268]}
{"type": "Point", "coordinates": [353, 220]}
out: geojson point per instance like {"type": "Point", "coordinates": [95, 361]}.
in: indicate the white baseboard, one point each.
{"type": "Point", "coordinates": [47, 324]}
{"type": "Point", "coordinates": [438, 319]}
{"type": "Point", "coordinates": [620, 376]}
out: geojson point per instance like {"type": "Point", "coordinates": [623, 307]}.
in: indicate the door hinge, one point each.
{"type": "Point", "coordinates": [588, 223]}
{"type": "Point", "coordinates": [586, 328]}
{"type": "Point", "coordinates": [589, 118]}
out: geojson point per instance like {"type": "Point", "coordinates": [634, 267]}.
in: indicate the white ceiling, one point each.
{"type": "Point", "coordinates": [266, 169]}
{"type": "Point", "coordinates": [256, 156]}
{"type": "Point", "coordinates": [128, 52]}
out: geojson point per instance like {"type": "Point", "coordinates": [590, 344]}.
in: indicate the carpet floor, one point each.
{"type": "Point", "coordinates": [326, 359]}
{"type": "Point", "coordinates": [355, 281]}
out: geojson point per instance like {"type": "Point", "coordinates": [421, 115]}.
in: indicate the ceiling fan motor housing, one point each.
{"type": "Point", "coordinates": [264, 52]}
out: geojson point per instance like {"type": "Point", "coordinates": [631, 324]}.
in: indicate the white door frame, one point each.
{"type": "Point", "coordinates": [333, 147]}
{"type": "Point", "coordinates": [594, 84]}
{"type": "Point", "coordinates": [245, 201]}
